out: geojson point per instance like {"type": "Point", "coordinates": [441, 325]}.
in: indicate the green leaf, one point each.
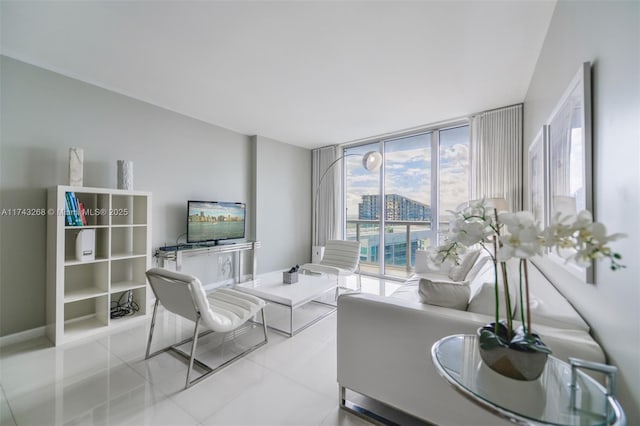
{"type": "Point", "coordinates": [488, 340]}
{"type": "Point", "coordinates": [528, 342]}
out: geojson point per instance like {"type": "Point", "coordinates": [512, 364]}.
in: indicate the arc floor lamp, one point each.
{"type": "Point", "coordinates": [371, 161]}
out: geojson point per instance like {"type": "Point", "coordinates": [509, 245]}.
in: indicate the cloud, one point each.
{"type": "Point", "coordinates": [454, 188]}
{"type": "Point", "coordinates": [369, 179]}
{"type": "Point", "coordinates": [395, 166]}
{"type": "Point", "coordinates": [457, 154]}
{"type": "Point", "coordinates": [416, 172]}
{"type": "Point", "coordinates": [408, 156]}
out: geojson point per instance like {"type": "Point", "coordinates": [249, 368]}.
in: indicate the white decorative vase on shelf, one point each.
{"type": "Point", "coordinates": [125, 174]}
{"type": "Point", "coordinates": [76, 160]}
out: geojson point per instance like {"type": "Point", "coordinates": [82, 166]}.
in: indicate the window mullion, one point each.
{"type": "Point", "coordinates": [382, 209]}
{"type": "Point", "coordinates": [435, 205]}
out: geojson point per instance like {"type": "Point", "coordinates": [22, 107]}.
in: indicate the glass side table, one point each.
{"type": "Point", "coordinates": [549, 400]}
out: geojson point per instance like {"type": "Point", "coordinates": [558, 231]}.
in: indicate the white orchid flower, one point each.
{"type": "Point", "coordinates": [448, 253]}
{"type": "Point", "coordinates": [523, 239]}
{"type": "Point", "coordinates": [469, 233]}
{"type": "Point", "coordinates": [575, 237]}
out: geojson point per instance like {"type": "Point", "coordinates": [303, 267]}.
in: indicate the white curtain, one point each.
{"type": "Point", "coordinates": [326, 218]}
{"type": "Point", "coordinates": [496, 155]}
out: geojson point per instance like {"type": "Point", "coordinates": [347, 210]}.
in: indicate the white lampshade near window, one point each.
{"type": "Point", "coordinates": [372, 160]}
{"type": "Point", "coordinates": [500, 204]}
{"type": "Point", "coordinates": [565, 205]}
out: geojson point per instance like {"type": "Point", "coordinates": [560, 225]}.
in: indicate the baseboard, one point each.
{"type": "Point", "coordinates": [22, 336]}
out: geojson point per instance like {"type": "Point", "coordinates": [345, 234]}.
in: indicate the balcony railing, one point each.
{"type": "Point", "coordinates": [402, 238]}
{"type": "Point", "coordinates": [399, 235]}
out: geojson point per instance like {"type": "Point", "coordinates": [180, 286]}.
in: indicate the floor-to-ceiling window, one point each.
{"type": "Point", "coordinates": [407, 199]}
{"type": "Point", "coordinates": [391, 211]}
{"type": "Point", "coordinates": [453, 174]}
{"type": "Point", "coordinates": [361, 191]}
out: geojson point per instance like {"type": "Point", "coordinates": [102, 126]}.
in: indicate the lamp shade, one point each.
{"type": "Point", "coordinates": [500, 204]}
{"type": "Point", "coordinates": [565, 205]}
{"type": "Point", "coordinates": [372, 160]}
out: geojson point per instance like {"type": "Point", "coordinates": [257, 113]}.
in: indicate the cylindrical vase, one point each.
{"type": "Point", "coordinates": [76, 159]}
{"type": "Point", "coordinates": [125, 174]}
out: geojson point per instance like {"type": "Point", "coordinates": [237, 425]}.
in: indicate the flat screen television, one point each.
{"type": "Point", "coordinates": [213, 221]}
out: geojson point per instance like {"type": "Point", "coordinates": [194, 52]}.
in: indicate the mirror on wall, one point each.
{"type": "Point", "coordinates": [569, 157]}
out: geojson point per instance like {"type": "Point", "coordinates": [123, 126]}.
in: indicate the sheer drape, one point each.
{"type": "Point", "coordinates": [496, 155]}
{"type": "Point", "coordinates": [326, 197]}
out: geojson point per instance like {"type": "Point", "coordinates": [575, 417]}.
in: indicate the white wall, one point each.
{"type": "Point", "coordinates": [283, 198]}
{"type": "Point", "coordinates": [608, 35]}
{"type": "Point", "coordinates": [175, 157]}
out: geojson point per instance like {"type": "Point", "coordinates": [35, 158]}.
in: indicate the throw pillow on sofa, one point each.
{"type": "Point", "coordinates": [443, 293]}
{"type": "Point", "coordinates": [459, 273]}
{"type": "Point", "coordinates": [484, 301]}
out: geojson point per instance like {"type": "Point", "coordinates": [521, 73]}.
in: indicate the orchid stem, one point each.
{"type": "Point", "coordinates": [495, 287]}
{"type": "Point", "coordinates": [524, 324]}
{"type": "Point", "coordinates": [526, 283]}
{"type": "Point", "coordinates": [505, 279]}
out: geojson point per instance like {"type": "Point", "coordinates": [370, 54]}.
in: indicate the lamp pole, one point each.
{"type": "Point", "coordinates": [371, 161]}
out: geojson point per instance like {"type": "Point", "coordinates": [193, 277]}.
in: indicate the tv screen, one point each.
{"type": "Point", "coordinates": [214, 221]}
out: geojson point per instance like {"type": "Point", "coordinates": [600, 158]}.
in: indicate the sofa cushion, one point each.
{"type": "Point", "coordinates": [484, 301]}
{"type": "Point", "coordinates": [548, 307]}
{"type": "Point", "coordinates": [459, 273]}
{"type": "Point", "coordinates": [444, 293]}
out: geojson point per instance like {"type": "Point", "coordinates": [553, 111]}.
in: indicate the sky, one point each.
{"type": "Point", "coordinates": [407, 170]}
{"type": "Point", "coordinates": [216, 209]}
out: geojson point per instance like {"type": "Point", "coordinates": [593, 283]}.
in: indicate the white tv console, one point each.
{"type": "Point", "coordinates": [176, 253]}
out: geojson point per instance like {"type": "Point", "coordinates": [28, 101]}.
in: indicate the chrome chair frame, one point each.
{"type": "Point", "coordinates": [190, 357]}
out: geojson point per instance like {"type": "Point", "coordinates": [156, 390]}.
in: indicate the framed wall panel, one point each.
{"type": "Point", "coordinates": [570, 158]}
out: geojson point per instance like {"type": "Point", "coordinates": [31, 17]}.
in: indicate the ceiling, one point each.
{"type": "Point", "coordinates": [301, 72]}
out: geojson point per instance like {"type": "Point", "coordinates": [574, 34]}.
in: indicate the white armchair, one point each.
{"type": "Point", "coordinates": [341, 258]}
{"type": "Point", "coordinates": [223, 310]}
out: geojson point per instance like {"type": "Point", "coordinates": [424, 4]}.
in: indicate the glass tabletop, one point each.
{"type": "Point", "coordinates": [546, 400]}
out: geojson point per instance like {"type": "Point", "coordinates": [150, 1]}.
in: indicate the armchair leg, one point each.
{"type": "Point", "coordinates": [153, 323]}
{"type": "Point", "coordinates": [193, 351]}
{"type": "Point", "coordinates": [264, 326]}
{"type": "Point", "coordinates": [190, 357]}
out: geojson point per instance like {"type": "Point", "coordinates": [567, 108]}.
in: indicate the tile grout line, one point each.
{"type": "Point", "coordinates": [6, 400]}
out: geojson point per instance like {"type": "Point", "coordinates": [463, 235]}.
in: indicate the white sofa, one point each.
{"type": "Point", "coordinates": [384, 346]}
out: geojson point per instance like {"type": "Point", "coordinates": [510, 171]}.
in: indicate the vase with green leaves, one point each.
{"type": "Point", "coordinates": [520, 353]}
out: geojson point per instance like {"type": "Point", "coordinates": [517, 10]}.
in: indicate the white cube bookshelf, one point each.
{"type": "Point", "coordinates": [80, 293]}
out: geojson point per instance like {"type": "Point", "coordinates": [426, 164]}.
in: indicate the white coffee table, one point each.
{"type": "Point", "coordinates": [293, 297]}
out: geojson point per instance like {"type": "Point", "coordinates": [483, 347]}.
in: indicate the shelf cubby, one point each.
{"type": "Point", "coordinates": [84, 316]}
{"type": "Point", "coordinates": [96, 207]}
{"type": "Point", "coordinates": [85, 280]}
{"type": "Point", "coordinates": [139, 297]}
{"type": "Point", "coordinates": [128, 273]}
{"type": "Point", "coordinates": [129, 210]}
{"type": "Point", "coordinates": [128, 241]}
{"type": "Point", "coordinates": [101, 247]}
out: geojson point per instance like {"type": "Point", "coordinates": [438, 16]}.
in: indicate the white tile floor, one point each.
{"type": "Point", "coordinates": [107, 381]}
